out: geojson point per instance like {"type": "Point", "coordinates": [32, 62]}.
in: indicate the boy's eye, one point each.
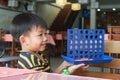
{"type": "Point", "coordinates": [46, 33]}
{"type": "Point", "coordinates": [43, 34]}
{"type": "Point", "coordinates": [40, 35]}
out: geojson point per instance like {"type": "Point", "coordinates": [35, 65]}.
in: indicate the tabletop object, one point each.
{"type": "Point", "coordinates": [85, 44]}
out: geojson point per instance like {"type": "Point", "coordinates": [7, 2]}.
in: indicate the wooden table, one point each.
{"type": "Point", "coordinates": [24, 74]}
{"type": "Point", "coordinates": [98, 75]}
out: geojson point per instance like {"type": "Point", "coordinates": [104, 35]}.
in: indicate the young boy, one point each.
{"type": "Point", "coordinates": [31, 31]}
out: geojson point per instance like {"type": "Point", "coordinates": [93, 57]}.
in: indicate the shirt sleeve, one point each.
{"type": "Point", "coordinates": [34, 63]}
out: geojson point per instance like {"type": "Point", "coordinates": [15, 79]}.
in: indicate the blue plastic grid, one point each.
{"type": "Point", "coordinates": [86, 43]}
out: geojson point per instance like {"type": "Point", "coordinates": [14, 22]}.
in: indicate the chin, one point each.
{"type": "Point", "coordinates": [42, 49]}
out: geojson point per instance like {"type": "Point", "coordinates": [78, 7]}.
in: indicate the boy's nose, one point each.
{"type": "Point", "coordinates": [45, 38]}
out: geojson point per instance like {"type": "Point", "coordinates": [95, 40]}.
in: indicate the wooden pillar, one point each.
{"type": "Point", "coordinates": [13, 48]}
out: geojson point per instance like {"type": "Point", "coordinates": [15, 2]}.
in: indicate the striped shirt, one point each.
{"type": "Point", "coordinates": [30, 61]}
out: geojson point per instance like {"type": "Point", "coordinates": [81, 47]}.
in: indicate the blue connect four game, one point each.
{"type": "Point", "coordinates": [85, 44]}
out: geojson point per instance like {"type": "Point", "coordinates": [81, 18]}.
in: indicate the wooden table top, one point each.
{"type": "Point", "coordinates": [98, 75]}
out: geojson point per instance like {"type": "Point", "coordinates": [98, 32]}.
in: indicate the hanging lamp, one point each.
{"type": "Point", "coordinates": [61, 2]}
{"type": "Point", "coordinates": [75, 6]}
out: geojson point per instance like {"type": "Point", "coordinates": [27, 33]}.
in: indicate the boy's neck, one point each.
{"type": "Point", "coordinates": [33, 53]}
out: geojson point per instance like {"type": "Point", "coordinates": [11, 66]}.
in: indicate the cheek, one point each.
{"type": "Point", "coordinates": [38, 43]}
{"type": "Point", "coordinates": [35, 43]}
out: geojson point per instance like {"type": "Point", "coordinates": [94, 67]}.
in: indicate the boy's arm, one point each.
{"type": "Point", "coordinates": [70, 67]}
{"type": "Point", "coordinates": [62, 66]}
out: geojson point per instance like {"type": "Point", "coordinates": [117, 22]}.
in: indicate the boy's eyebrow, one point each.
{"type": "Point", "coordinates": [41, 31]}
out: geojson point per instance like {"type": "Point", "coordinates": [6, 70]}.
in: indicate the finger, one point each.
{"type": "Point", "coordinates": [80, 65]}
{"type": "Point", "coordinates": [86, 66]}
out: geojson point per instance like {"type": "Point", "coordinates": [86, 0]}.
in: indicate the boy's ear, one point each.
{"type": "Point", "coordinates": [22, 39]}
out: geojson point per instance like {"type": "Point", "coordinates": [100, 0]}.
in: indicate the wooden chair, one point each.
{"type": "Point", "coordinates": [111, 47]}
{"type": "Point", "coordinates": [5, 58]}
{"type": "Point", "coordinates": [114, 33]}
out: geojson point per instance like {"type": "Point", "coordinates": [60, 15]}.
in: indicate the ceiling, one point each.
{"type": "Point", "coordinates": [109, 2]}
{"type": "Point", "coordinates": [103, 4]}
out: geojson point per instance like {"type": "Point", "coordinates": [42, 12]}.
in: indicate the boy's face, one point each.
{"type": "Point", "coordinates": [37, 39]}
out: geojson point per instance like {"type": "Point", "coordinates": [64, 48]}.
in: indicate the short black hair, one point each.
{"type": "Point", "coordinates": [23, 23]}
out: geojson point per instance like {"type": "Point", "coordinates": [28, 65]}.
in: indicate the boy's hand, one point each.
{"type": "Point", "coordinates": [81, 67]}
